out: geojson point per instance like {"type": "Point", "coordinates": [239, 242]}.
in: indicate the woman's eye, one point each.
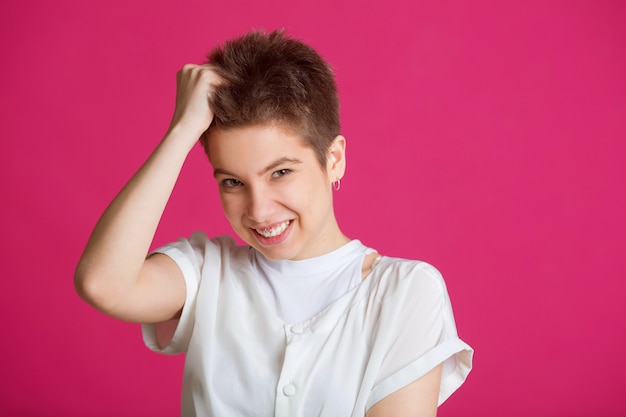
{"type": "Point", "coordinates": [280, 173]}
{"type": "Point", "coordinates": [231, 183]}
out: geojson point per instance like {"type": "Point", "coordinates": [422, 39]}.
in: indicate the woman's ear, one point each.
{"type": "Point", "coordinates": [336, 161]}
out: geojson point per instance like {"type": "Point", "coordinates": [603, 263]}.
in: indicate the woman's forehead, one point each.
{"type": "Point", "coordinates": [256, 148]}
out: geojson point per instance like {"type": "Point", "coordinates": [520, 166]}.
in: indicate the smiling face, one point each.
{"type": "Point", "coordinates": [274, 192]}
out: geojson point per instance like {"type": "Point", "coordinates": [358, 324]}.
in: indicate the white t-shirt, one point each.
{"type": "Point", "coordinates": [244, 360]}
{"type": "Point", "coordinates": [298, 290]}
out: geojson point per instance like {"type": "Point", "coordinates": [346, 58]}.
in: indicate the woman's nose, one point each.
{"type": "Point", "coordinates": [259, 205]}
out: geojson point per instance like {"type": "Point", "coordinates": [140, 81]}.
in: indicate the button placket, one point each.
{"type": "Point", "coordinates": [287, 389]}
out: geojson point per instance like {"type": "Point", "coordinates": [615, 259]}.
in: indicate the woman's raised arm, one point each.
{"type": "Point", "coordinates": [113, 273]}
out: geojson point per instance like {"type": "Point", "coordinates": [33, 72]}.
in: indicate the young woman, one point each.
{"type": "Point", "coordinates": [302, 321]}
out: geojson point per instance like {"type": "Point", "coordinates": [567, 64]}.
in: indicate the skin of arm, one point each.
{"type": "Point", "coordinates": [418, 399]}
{"type": "Point", "coordinates": [113, 274]}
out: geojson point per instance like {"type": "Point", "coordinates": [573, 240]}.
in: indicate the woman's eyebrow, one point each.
{"type": "Point", "coordinates": [271, 166]}
{"type": "Point", "coordinates": [220, 171]}
{"type": "Point", "coordinates": [278, 162]}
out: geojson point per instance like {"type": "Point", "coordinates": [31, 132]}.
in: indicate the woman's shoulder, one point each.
{"type": "Point", "coordinates": [399, 275]}
{"type": "Point", "coordinates": [404, 267]}
{"type": "Point", "coordinates": [412, 266]}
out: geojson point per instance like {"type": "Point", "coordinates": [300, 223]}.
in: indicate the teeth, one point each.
{"type": "Point", "coordinates": [275, 231]}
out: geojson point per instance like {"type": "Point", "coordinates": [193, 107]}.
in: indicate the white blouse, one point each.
{"type": "Point", "coordinates": [244, 360]}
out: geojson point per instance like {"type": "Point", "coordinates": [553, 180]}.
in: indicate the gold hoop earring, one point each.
{"type": "Point", "coordinates": [337, 185]}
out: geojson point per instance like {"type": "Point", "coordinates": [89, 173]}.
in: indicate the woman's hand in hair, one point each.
{"type": "Point", "coordinates": [193, 114]}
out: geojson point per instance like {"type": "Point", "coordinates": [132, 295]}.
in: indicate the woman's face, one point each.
{"type": "Point", "coordinates": [274, 193]}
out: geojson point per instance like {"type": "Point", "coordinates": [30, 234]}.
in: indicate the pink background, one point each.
{"type": "Point", "coordinates": [486, 137]}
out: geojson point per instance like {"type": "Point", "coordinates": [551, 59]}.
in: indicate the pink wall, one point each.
{"type": "Point", "coordinates": [486, 137]}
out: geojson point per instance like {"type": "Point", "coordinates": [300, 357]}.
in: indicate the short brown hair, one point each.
{"type": "Point", "coordinates": [274, 78]}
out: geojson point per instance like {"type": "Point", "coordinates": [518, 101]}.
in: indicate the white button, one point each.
{"type": "Point", "coordinates": [297, 329]}
{"type": "Point", "coordinates": [289, 390]}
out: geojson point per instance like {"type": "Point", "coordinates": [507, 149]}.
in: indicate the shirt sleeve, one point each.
{"type": "Point", "coordinates": [172, 337]}
{"type": "Point", "coordinates": [417, 332]}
